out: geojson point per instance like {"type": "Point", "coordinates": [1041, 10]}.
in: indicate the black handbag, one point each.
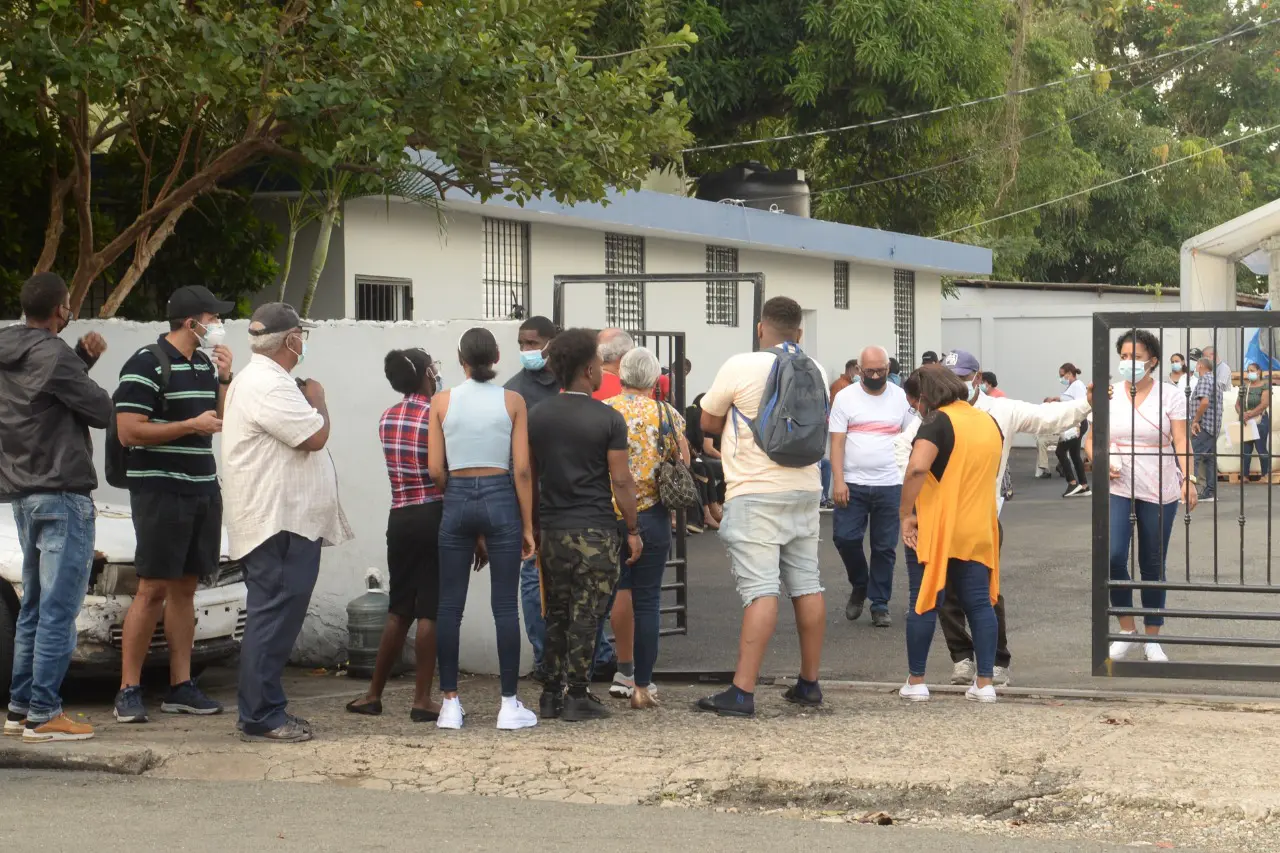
{"type": "Point", "coordinates": [676, 488]}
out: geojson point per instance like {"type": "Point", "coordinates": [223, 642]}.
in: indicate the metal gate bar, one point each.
{"type": "Point", "coordinates": [1224, 326]}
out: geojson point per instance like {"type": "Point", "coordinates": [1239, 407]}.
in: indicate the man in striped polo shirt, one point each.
{"type": "Point", "coordinates": [173, 491]}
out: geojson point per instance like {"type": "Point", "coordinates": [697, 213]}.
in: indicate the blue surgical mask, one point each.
{"type": "Point", "coordinates": [533, 359]}
{"type": "Point", "coordinates": [986, 389]}
{"type": "Point", "coordinates": [1132, 371]}
{"type": "Point", "coordinates": [1177, 367]}
{"type": "Point", "coordinates": [1066, 382]}
{"type": "Point", "coordinates": [1253, 375]}
{"type": "Point", "coordinates": [302, 354]}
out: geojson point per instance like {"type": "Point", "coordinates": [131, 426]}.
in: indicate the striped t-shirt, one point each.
{"type": "Point", "coordinates": [187, 465]}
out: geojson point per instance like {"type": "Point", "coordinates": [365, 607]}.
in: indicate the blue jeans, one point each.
{"type": "Point", "coordinates": [1205, 447]}
{"type": "Point", "coordinates": [1153, 544]}
{"type": "Point", "coordinates": [56, 533]}
{"type": "Point", "coordinates": [824, 471]}
{"type": "Point", "coordinates": [480, 506]}
{"type": "Point", "coordinates": [1264, 455]}
{"type": "Point", "coordinates": [971, 582]}
{"type": "Point", "coordinates": [876, 506]}
{"type": "Point", "coordinates": [644, 579]}
{"type": "Point", "coordinates": [535, 627]}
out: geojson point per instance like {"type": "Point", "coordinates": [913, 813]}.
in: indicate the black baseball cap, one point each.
{"type": "Point", "coordinates": [194, 300]}
{"type": "Point", "coordinates": [929, 357]}
{"type": "Point", "coordinates": [277, 317]}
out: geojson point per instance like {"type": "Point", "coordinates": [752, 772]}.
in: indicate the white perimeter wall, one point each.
{"type": "Point", "coordinates": [346, 358]}
{"type": "Point", "coordinates": [445, 259]}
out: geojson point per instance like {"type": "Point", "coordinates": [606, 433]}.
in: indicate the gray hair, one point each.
{"type": "Point", "coordinates": [1206, 362]}
{"type": "Point", "coordinates": [268, 344]}
{"type": "Point", "coordinates": [639, 369]}
{"type": "Point", "coordinates": [614, 347]}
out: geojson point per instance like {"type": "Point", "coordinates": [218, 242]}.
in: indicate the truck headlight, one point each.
{"type": "Point", "coordinates": [117, 579]}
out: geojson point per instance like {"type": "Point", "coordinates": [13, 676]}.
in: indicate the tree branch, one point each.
{"type": "Point", "coordinates": [142, 257]}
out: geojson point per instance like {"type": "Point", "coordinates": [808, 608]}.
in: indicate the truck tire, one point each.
{"type": "Point", "coordinates": [8, 625]}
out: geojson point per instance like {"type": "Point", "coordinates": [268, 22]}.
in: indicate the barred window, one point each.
{"type": "Point", "coordinates": [842, 284]}
{"type": "Point", "coordinates": [722, 296]}
{"type": "Point", "coordinates": [904, 316]}
{"type": "Point", "coordinates": [506, 269]}
{"type": "Point", "coordinates": [624, 301]}
{"type": "Point", "coordinates": [381, 298]}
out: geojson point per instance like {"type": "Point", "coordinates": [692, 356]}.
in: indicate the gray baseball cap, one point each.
{"type": "Point", "coordinates": [276, 317]}
{"type": "Point", "coordinates": [960, 363]}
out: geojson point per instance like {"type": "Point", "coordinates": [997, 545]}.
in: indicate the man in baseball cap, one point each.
{"type": "Point", "coordinates": [930, 357]}
{"type": "Point", "coordinates": [276, 317]}
{"type": "Point", "coordinates": [194, 300]}
{"type": "Point", "coordinates": [1013, 417]}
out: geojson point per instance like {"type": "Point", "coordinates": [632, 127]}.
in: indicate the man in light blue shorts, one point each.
{"type": "Point", "coordinates": [770, 524]}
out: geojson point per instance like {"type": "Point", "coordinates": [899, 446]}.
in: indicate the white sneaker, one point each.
{"type": "Point", "coordinates": [450, 714]}
{"type": "Point", "coordinates": [981, 694]}
{"type": "Point", "coordinates": [622, 687]}
{"type": "Point", "coordinates": [1154, 653]}
{"type": "Point", "coordinates": [914, 692]}
{"type": "Point", "coordinates": [512, 715]}
{"type": "Point", "coordinates": [1120, 648]}
{"type": "Point", "coordinates": [1000, 676]}
{"type": "Point", "coordinates": [964, 671]}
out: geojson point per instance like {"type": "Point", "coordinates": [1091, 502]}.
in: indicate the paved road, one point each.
{"type": "Point", "coordinates": [76, 812]}
{"type": "Point", "coordinates": [1046, 579]}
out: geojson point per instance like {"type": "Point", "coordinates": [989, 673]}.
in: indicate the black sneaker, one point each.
{"type": "Point", "coordinates": [857, 599]}
{"type": "Point", "coordinates": [581, 709]}
{"type": "Point", "coordinates": [551, 702]}
{"type": "Point", "coordinates": [129, 707]}
{"type": "Point", "coordinates": [880, 619]}
{"type": "Point", "coordinates": [730, 703]}
{"type": "Point", "coordinates": [186, 698]}
{"type": "Point", "coordinates": [806, 693]}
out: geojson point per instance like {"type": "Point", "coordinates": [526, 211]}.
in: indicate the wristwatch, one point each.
{"type": "Point", "coordinates": [226, 381]}
{"type": "Point", "coordinates": [1193, 479]}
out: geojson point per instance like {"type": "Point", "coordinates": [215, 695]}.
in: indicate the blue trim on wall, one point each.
{"type": "Point", "coordinates": [710, 222]}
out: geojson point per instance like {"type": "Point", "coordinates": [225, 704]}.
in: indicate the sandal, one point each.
{"type": "Point", "coordinates": [368, 709]}
{"type": "Point", "coordinates": [422, 715]}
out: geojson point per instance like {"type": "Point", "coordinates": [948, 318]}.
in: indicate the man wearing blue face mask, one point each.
{"type": "Point", "coordinates": [535, 382]}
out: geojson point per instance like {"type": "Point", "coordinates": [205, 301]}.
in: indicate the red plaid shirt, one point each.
{"type": "Point", "coordinates": [403, 430]}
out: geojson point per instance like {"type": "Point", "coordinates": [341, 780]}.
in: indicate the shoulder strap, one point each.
{"type": "Point", "coordinates": [166, 370]}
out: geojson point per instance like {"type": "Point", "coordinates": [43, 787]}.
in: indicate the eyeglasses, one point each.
{"type": "Point", "coordinates": [302, 333]}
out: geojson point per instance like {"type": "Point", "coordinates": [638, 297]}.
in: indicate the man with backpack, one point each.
{"type": "Point", "coordinates": [168, 408]}
{"type": "Point", "coordinates": [770, 409]}
{"type": "Point", "coordinates": [47, 405]}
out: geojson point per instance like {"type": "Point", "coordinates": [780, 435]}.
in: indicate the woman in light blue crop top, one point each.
{"type": "Point", "coordinates": [478, 453]}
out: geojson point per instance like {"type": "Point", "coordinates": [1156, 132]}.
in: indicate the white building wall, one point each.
{"type": "Point", "coordinates": [346, 358]}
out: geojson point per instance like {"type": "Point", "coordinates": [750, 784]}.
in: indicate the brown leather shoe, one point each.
{"type": "Point", "coordinates": [60, 727]}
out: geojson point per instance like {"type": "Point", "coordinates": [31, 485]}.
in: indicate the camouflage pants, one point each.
{"type": "Point", "coordinates": [580, 570]}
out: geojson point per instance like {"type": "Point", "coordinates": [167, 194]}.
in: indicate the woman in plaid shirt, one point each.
{"type": "Point", "coordinates": [412, 534]}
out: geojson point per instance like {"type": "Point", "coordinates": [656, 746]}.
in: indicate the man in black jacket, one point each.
{"type": "Point", "coordinates": [47, 405]}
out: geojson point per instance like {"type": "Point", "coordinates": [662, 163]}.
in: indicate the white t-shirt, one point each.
{"type": "Point", "coordinates": [747, 470]}
{"type": "Point", "coordinates": [1138, 435]}
{"type": "Point", "coordinates": [1073, 392]}
{"type": "Point", "coordinates": [871, 422]}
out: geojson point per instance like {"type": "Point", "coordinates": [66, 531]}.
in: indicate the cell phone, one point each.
{"type": "Point", "coordinates": [302, 384]}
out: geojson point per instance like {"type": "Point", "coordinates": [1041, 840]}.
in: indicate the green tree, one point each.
{"type": "Point", "coordinates": [499, 90]}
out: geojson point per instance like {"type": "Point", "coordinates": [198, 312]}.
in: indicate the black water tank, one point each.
{"type": "Point", "coordinates": [755, 185]}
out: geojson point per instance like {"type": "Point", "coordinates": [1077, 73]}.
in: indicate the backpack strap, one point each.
{"type": "Point", "coordinates": [166, 370]}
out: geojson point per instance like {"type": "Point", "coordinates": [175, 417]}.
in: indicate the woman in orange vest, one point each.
{"type": "Point", "coordinates": [949, 520]}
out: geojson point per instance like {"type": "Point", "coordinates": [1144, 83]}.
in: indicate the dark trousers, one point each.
{"type": "Point", "coordinates": [1260, 446]}
{"type": "Point", "coordinates": [644, 579]}
{"type": "Point", "coordinates": [1206, 450]}
{"type": "Point", "coordinates": [280, 575]}
{"type": "Point", "coordinates": [1071, 461]}
{"type": "Point", "coordinates": [488, 507]}
{"type": "Point", "coordinates": [959, 643]}
{"type": "Point", "coordinates": [580, 568]}
{"type": "Point", "coordinates": [874, 508]}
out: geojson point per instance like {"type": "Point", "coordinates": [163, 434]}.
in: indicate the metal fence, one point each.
{"type": "Point", "coordinates": [1207, 573]}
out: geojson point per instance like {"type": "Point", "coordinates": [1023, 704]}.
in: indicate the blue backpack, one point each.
{"type": "Point", "coordinates": [791, 423]}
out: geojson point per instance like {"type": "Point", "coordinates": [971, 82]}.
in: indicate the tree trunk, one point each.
{"type": "Point", "coordinates": [288, 260]}
{"type": "Point", "coordinates": [57, 223]}
{"type": "Point", "coordinates": [142, 259]}
{"type": "Point", "coordinates": [321, 255]}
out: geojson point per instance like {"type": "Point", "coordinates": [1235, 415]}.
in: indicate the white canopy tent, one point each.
{"type": "Point", "coordinates": [1208, 277]}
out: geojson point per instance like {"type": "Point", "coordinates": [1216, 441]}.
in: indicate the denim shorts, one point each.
{"type": "Point", "coordinates": [772, 540]}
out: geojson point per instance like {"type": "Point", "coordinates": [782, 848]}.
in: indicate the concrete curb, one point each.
{"type": "Point", "coordinates": [1259, 703]}
{"type": "Point", "coordinates": [81, 756]}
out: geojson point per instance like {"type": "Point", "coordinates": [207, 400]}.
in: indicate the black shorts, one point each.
{"type": "Point", "coordinates": [413, 559]}
{"type": "Point", "coordinates": [177, 535]}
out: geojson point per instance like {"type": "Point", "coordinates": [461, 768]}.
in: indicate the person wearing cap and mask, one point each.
{"type": "Point", "coordinates": [173, 491]}
{"type": "Point", "coordinates": [47, 405]}
{"type": "Point", "coordinates": [280, 506]}
{"type": "Point", "coordinates": [1013, 417]}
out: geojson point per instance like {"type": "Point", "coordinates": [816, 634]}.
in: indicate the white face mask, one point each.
{"type": "Point", "coordinates": [214, 335]}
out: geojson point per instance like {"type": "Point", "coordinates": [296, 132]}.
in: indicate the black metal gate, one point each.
{"type": "Point", "coordinates": [1216, 583]}
{"type": "Point", "coordinates": [669, 347]}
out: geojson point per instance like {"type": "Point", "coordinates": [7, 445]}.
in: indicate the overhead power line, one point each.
{"type": "Point", "coordinates": [809, 134]}
{"type": "Point", "coordinates": [1110, 183]}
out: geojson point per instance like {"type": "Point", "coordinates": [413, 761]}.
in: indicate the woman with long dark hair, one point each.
{"type": "Point", "coordinates": [413, 531]}
{"type": "Point", "coordinates": [479, 456]}
{"type": "Point", "coordinates": [950, 525]}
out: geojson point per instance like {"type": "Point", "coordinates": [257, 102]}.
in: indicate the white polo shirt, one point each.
{"type": "Point", "coordinates": [268, 485]}
{"type": "Point", "coordinates": [870, 423]}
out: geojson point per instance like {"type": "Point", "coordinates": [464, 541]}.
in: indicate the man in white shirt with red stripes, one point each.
{"type": "Point", "coordinates": [865, 420]}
